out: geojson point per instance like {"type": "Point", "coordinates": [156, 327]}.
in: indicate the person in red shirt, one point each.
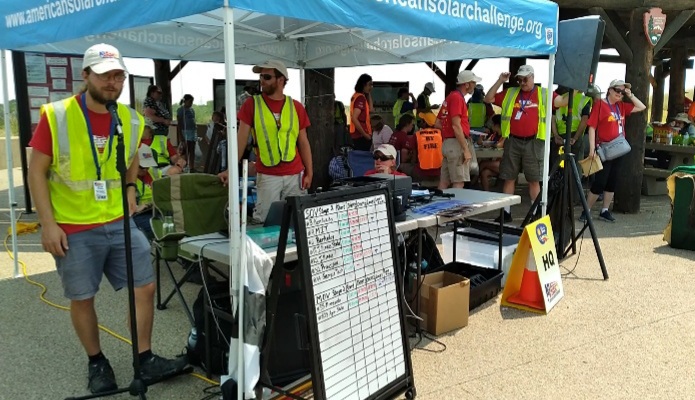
{"type": "Point", "coordinates": [399, 140]}
{"type": "Point", "coordinates": [384, 161]}
{"type": "Point", "coordinates": [525, 148]}
{"type": "Point", "coordinates": [287, 178]}
{"type": "Point", "coordinates": [457, 146]}
{"type": "Point", "coordinates": [607, 122]}
{"type": "Point", "coordinates": [85, 247]}
{"type": "Point", "coordinates": [361, 105]}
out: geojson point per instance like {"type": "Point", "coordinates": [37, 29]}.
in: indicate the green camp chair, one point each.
{"type": "Point", "coordinates": [197, 203]}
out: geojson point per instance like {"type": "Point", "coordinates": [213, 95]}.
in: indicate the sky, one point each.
{"type": "Point", "coordinates": [196, 77]}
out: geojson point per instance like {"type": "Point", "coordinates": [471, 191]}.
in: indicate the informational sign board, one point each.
{"type": "Point", "coordinates": [356, 321]}
{"type": "Point", "coordinates": [534, 282]}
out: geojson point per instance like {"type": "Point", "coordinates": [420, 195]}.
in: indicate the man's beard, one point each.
{"type": "Point", "coordinates": [269, 90]}
{"type": "Point", "coordinates": [102, 97]}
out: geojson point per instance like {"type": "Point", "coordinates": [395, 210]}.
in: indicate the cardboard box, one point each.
{"type": "Point", "coordinates": [444, 298]}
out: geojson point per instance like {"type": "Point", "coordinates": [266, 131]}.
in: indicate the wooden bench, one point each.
{"type": "Point", "coordinates": [654, 181]}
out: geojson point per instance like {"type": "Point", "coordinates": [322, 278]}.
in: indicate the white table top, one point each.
{"type": "Point", "coordinates": [215, 246]}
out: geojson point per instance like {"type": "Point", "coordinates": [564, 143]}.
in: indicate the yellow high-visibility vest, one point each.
{"type": "Point", "coordinates": [276, 141]}
{"type": "Point", "coordinates": [73, 171]}
{"type": "Point", "coordinates": [160, 147]}
{"type": "Point", "coordinates": [144, 190]}
{"type": "Point", "coordinates": [508, 109]}
{"type": "Point", "coordinates": [578, 104]}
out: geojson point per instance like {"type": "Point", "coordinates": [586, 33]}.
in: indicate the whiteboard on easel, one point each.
{"type": "Point", "coordinates": [358, 324]}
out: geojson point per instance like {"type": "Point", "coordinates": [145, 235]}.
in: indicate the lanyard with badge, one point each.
{"type": "Point", "coordinates": [616, 114]}
{"type": "Point", "coordinates": [522, 104]}
{"type": "Point", "coordinates": [100, 192]}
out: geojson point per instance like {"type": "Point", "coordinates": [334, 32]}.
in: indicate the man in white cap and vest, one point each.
{"type": "Point", "coordinates": [457, 146]}
{"type": "Point", "coordinates": [278, 125]}
{"type": "Point", "coordinates": [523, 122]}
{"type": "Point", "coordinates": [423, 101]}
{"type": "Point", "coordinates": [77, 191]}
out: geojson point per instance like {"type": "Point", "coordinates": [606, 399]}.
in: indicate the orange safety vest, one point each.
{"type": "Point", "coordinates": [353, 131]}
{"type": "Point", "coordinates": [429, 148]}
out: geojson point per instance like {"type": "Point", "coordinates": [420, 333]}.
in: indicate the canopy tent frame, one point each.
{"type": "Point", "coordinates": [299, 11]}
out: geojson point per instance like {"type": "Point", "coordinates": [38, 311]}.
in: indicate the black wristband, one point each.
{"type": "Point", "coordinates": [131, 184]}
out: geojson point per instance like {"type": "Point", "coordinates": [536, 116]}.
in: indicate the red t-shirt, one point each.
{"type": "Point", "coordinates": [245, 115]}
{"type": "Point", "coordinates": [526, 103]}
{"type": "Point", "coordinates": [399, 140]}
{"type": "Point", "coordinates": [360, 103]}
{"type": "Point", "coordinates": [412, 146]}
{"type": "Point", "coordinates": [170, 147]}
{"type": "Point", "coordinates": [454, 105]}
{"type": "Point", "coordinates": [373, 171]}
{"type": "Point", "coordinates": [609, 121]}
{"type": "Point", "coordinates": [42, 141]}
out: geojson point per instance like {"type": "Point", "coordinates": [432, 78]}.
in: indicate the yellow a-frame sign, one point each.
{"type": "Point", "coordinates": [534, 282]}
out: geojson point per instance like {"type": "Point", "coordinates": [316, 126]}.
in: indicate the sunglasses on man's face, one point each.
{"type": "Point", "coordinates": [267, 77]}
{"type": "Point", "coordinates": [522, 79]}
{"type": "Point", "coordinates": [382, 157]}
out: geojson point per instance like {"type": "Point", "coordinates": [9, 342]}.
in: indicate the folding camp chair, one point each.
{"type": "Point", "coordinates": [360, 161]}
{"type": "Point", "coordinates": [197, 203]}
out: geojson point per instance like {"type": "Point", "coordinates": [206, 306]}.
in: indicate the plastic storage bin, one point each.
{"type": "Point", "coordinates": [479, 252]}
{"type": "Point", "coordinates": [485, 283]}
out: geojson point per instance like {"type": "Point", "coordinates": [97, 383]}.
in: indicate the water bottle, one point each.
{"type": "Point", "coordinates": [686, 139]}
{"type": "Point", "coordinates": [168, 225]}
{"type": "Point", "coordinates": [192, 339]}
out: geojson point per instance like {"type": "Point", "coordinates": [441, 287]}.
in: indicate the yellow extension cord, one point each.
{"type": "Point", "coordinates": [23, 227]}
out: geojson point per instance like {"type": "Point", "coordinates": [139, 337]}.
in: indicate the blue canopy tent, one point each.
{"type": "Point", "coordinates": [306, 34]}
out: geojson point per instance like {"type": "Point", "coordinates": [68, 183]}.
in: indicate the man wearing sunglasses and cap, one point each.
{"type": "Point", "coordinates": [457, 145]}
{"type": "Point", "coordinates": [278, 126]}
{"type": "Point", "coordinates": [523, 122]}
{"type": "Point", "coordinates": [78, 195]}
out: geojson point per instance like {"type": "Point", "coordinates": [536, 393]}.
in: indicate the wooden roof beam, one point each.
{"type": "Point", "coordinates": [616, 37]}
{"type": "Point", "coordinates": [672, 27]}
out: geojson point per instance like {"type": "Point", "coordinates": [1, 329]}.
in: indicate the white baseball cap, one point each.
{"type": "Point", "coordinates": [525, 70]}
{"type": "Point", "coordinates": [102, 58]}
{"type": "Point", "coordinates": [387, 150]}
{"type": "Point", "coordinates": [430, 86]}
{"type": "Point", "coordinates": [466, 76]}
{"type": "Point", "coordinates": [619, 82]}
{"type": "Point", "coordinates": [275, 64]}
{"type": "Point", "coordinates": [146, 158]}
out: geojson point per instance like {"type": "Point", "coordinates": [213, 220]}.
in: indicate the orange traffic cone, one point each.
{"type": "Point", "coordinates": [529, 293]}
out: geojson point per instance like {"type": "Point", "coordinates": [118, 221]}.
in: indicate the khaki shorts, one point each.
{"type": "Point", "coordinates": [454, 169]}
{"type": "Point", "coordinates": [522, 155]}
{"type": "Point", "coordinates": [271, 188]}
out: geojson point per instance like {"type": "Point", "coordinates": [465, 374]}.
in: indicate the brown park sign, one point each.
{"type": "Point", "coordinates": [654, 24]}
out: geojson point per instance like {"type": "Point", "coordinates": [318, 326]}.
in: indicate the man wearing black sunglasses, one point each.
{"type": "Point", "coordinates": [278, 126]}
{"type": "Point", "coordinates": [523, 122]}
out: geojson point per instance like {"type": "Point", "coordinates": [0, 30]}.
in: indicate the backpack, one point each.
{"type": "Point", "coordinates": [219, 348]}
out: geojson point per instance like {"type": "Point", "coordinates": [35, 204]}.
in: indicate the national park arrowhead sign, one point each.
{"type": "Point", "coordinates": [654, 25]}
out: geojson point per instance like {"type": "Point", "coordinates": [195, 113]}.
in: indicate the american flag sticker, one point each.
{"type": "Point", "coordinates": [549, 36]}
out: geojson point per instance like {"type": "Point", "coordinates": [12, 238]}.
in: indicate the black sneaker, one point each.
{"type": "Point", "coordinates": [101, 377]}
{"type": "Point", "coordinates": [583, 217]}
{"type": "Point", "coordinates": [159, 368]}
{"type": "Point", "coordinates": [606, 216]}
{"type": "Point", "coordinates": [507, 218]}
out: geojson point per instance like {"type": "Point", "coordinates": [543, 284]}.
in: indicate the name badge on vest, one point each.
{"type": "Point", "coordinates": [518, 115]}
{"type": "Point", "coordinates": [100, 193]}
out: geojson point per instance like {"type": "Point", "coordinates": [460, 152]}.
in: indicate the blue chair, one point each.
{"type": "Point", "coordinates": [360, 161]}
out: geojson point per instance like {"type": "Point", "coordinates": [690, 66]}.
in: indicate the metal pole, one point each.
{"type": "Point", "coordinates": [10, 172]}
{"type": "Point", "coordinates": [302, 84]}
{"type": "Point", "coordinates": [548, 134]}
{"type": "Point", "coordinates": [235, 238]}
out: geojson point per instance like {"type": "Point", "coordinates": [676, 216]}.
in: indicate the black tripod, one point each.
{"type": "Point", "coordinates": [563, 192]}
{"type": "Point", "coordinates": [137, 386]}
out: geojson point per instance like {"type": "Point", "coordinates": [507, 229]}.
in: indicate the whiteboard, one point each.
{"type": "Point", "coordinates": [360, 336]}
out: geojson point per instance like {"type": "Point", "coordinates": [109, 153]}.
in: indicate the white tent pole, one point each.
{"type": "Point", "coordinates": [233, 167]}
{"type": "Point", "coordinates": [302, 84]}
{"type": "Point", "coordinates": [10, 172]}
{"type": "Point", "coordinates": [548, 134]}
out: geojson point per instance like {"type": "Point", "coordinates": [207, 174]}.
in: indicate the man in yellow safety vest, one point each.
{"type": "Point", "coordinates": [77, 191]}
{"type": "Point", "coordinates": [278, 125]}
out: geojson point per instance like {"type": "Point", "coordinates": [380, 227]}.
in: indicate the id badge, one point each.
{"type": "Point", "coordinates": [518, 115]}
{"type": "Point", "coordinates": [100, 193]}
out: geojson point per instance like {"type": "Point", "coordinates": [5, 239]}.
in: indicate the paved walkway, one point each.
{"type": "Point", "coordinates": [632, 336]}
